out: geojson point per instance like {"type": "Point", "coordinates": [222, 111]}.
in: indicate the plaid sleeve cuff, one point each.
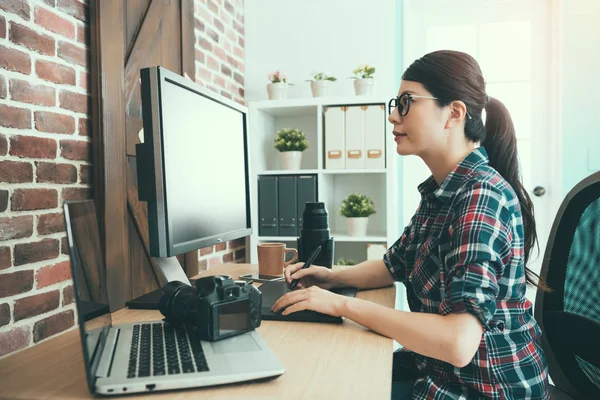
{"type": "Point", "coordinates": [394, 256]}
{"type": "Point", "coordinates": [473, 297]}
{"type": "Point", "coordinates": [394, 265]}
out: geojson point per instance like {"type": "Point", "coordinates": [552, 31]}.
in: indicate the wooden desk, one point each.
{"type": "Point", "coordinates": [322, 361]}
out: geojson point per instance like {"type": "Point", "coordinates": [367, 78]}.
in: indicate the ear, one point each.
{"type": "Point", "coordinates": [458, 113]}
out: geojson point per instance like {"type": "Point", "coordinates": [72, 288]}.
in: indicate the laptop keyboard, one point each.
{"type": "Point", "coordinates": [153, 343]}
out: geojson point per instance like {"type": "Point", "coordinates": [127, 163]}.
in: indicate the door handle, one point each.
{"type": "Point", "coordinates": [539, 191]}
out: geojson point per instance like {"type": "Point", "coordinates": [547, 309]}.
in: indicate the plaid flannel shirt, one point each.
{"type": "Point", "coordinates": [463, 251]}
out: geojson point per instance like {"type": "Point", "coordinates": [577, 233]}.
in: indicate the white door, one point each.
{"type": "Point", "coordinates": [511, 40]}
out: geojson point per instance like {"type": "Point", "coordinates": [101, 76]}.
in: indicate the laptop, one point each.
{"type": "Point", "coordinates": [147, 356]}
{"type": "Point", "coordinates": [271, 291]}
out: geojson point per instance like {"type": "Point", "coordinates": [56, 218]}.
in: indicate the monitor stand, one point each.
{"type": "Point", "coordinates": [169, 270]}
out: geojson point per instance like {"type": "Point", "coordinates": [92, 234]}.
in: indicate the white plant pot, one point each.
{"type": "Point", "coordinates": [291, 160]}
{"type": "Point", "coordinates": [277, 91]}
{"type": "Point", "coordinates": [357, 226]}
{"type": "Point", "coordinates": [320, 88]}
{"type": "Point", "coordinates": [364, 87]}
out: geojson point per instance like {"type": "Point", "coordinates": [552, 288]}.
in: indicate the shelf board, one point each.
{"type": "Point", "coordinates": [308, 105]}
{"type": "Point", "coordinates": [353, 171]}
{"type": "Point", "coordinates": [286, 110]}
{"type": "Point", "coordinates": [342, 237]}
{"type": "Point", "coordinates": [323, 171]}
{"type": "Point", "coordinates": [316, 101]}
{"type": "Point", "coordinates": [337, 238]}
{"type": "Point", "coordinates": [289, 172]}
{"type": "Point", "coordinates": [277, 238]}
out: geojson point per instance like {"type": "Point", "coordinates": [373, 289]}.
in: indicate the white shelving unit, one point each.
{"type": "Point", "coordinates": [266, 117]}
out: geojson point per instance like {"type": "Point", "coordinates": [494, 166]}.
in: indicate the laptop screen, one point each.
{"type": "Point", "coordinates": [89, 281]}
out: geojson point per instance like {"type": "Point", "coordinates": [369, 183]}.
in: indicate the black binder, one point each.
{"type": "Point", "coordinates": [307, 192]}
{"type": "Point", "coordinates": [287, 200]}
{"type": "Point", "coordinates": [268, 206]}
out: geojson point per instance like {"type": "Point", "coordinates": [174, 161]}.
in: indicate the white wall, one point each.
{"type": "Point", "coordinates": [581, 84]}
{"type": "Point", "coordinates": [333, 36]}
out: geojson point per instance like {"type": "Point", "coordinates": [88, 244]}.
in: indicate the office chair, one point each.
{"type": "Point", "coordinates": [569, 316]}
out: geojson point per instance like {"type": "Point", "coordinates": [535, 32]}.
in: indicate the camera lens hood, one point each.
{"type": "Point", "coordinates": [170, 291]}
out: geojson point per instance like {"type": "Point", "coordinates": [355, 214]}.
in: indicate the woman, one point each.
{"type": "Point", "coordinates": [462, 257]}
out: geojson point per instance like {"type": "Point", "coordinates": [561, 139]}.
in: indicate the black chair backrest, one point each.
{"type": "Point", "coordinates": [570, 315]}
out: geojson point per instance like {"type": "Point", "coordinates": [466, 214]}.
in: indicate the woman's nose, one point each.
{"type": "Point", "coordinates": [394, 117]}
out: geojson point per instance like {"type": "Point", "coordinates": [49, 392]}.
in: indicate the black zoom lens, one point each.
{"type": "Point", "coordinates": [315, 232]}
{"type": "Point", "coordinates": [316, 221]}
{"type": "Point", "coordinates": [178, 303]}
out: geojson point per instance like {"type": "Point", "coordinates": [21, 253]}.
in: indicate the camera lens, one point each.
{"type": "Point", "coordinates": [315, 217]}
{"type": "Point", "coordinates": [315, 232]}
{"type": "Point", "coordinates": [178, 302]}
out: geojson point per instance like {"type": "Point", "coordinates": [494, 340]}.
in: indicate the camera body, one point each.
{"type": "Point", "coordinates": [217, 306]}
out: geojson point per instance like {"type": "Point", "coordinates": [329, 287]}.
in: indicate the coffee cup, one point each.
{"type": "Point", "coordinates": [271, 258]}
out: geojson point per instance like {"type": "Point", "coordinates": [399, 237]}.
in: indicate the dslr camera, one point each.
{"type": "Point", "coordinates": [217, 306]}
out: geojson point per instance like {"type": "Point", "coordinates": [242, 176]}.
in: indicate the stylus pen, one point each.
{"type": "Point", "coordinates": [307, 264]}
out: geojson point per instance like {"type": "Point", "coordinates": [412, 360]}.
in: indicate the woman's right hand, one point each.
{"type": "Point", "coordinates": [311, 276]}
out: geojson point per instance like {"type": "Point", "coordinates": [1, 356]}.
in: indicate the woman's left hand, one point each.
{"type": "Point", "coordinates": [314, 298]}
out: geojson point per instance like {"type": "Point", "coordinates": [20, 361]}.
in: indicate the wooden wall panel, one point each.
{"type": "Point", "coordinates": [108, 127]}
{"type": "Point", "coordinates": [171, 37]}
{"type": "Point", "coordinates": [188, 40]}
{"type": "Point", "coordinates": [142, 276]}
{"type": "Point", "coordinates": [149, 33]}
{"type": "Point", "coordinates": [142, 45]}
{"type": "Point", "coordinates": [135, 10]}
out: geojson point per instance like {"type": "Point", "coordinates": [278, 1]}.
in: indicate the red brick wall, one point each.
{"type": "Point", "coordinates": [45, 158]}
{"type": "Point", "coordinates": [45, 149]}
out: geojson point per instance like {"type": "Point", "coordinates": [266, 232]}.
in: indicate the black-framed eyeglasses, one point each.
{"type": "Point", "coordinates": [403, 103]}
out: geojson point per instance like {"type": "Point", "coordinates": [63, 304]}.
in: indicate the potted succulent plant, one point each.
{"type": "Point", "coordinates": [290, 143]}
{"type": "Point", "coordinates": [364, 82]}
{"type": "Point", "coordinates": [278, 88]}
{"type": "Point", "coordinates": [357, 208]}
{"type": "Point", "coordinates": [319, 84]}
{"type": "Point", "coordinates": [343, 261]}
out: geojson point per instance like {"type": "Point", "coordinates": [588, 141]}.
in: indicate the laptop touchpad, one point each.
{"type": "Point", "coordinates": [237, 344]}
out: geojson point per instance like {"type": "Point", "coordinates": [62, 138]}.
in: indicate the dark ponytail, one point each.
{"type": "Point", "coordinates": [500, 142]}
{"type": "Point", "coordinates": [453, 75]}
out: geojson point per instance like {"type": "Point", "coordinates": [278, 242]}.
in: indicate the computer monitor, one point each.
{"type": "Point", "coordinates": [192, 167]}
